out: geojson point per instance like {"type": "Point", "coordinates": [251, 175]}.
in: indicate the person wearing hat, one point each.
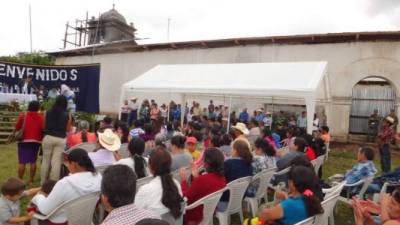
{"type": "Point", "coordinates": [107, 154]}
{"type": "Point", "coordinates": [268, 120]}
{"type": "Point", "coordinates": [240, 130]}
{"type": "Point", "coordinates": [385, 137]}
{"type": "Point", "coordinates": [125, 111]}
{"type": "Point", "coordinates": [133, 106]}
{"type": "Point", "coordinates": [191, 146]}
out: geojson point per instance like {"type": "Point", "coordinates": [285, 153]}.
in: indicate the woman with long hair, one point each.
{"type": "Point", "coordinates": [83, 180]}
{"type": "Point", "coordinates": [214, 178]}
{"type": "Point", "coordinates": [122, 130]}
{"type": "Point", "coordinates": [136, 162]}
{"type": "Point", "coordinates": [28, 147]}
{"type": "Point", "coordinates": [301, 199]}
{"type": "Point", "coordinates": [82, 135]}
{"type": "Point", "coordinates": [162, 194]}
{"type": "Point", "coordinates": [57, 123]}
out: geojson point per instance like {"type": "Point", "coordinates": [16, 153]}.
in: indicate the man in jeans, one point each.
{"type": "Point", "coordinates": [385, 137]}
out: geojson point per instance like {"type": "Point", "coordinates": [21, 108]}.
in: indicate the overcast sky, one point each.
{"type": "Point", "coordinates": [194, 19]}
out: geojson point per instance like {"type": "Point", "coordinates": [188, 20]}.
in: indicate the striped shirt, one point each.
{"type": "Point", "coordinates": [128, 215]}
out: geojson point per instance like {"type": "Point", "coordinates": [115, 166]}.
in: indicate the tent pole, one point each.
{"type": "Point", "coordinates": [229, 114]}
{"type": "Point", "coordinates": [310, 107]}
{"type": "Point", "coordinates": [183, 108]}
{"type": "Point", "coordinates": [121, 102]}
{"type": "Point", "coordinates": [168, 107]}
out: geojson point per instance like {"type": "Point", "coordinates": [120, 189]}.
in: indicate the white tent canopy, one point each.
{"type": "Point", "coordinates": [287, 79]}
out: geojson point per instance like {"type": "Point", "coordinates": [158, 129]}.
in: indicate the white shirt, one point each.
{"type": "Point", "coordinates": [68, 188]}
{"type": "Point", "coordinates": [131, 164]}
{"type": "Point", "coordinates": [149, 196]}
{"type": "Point", "coordinates": [133, 106]}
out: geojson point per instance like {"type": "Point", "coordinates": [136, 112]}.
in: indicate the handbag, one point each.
{"type": "Point", "coordinates": [19, 134]}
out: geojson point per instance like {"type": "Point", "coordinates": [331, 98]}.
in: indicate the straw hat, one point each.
{"type": "Point", "coordinates": [389, 119]}
{"type": "Point", "coordinates": [133, 98]}
{"type": "Point", "coordinates": [109, 140]}
{"type": "Point", "coordinates": [242, 128]}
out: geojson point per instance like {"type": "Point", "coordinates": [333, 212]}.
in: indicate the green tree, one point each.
{"type": "Point", "coordinates": [38, 58]}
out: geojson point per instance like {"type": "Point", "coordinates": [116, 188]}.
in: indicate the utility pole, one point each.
{"type": "Point", "coordinates": [30, 27]}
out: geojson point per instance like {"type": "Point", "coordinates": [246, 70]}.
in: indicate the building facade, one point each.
{"type": "Point", "coordinates": [351, 57]}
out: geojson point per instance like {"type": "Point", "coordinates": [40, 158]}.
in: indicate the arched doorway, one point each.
{"type": "Point", "coordinates": [369, 94]}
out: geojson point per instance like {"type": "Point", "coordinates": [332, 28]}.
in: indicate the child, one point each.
{"type": "Point", "coordinates": [191, 144]}
{"type": "Point", "coordinates": [12, 191]}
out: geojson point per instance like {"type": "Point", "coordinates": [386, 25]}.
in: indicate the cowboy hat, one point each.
{"type": "Point", "coordinates": [389, 119]}
{"type": "Point", "coordinates": [242, 128]}
{"type": "Point", "coordinates": [109, 140]}
{"type": "Point", "coordinates": [133, 98]}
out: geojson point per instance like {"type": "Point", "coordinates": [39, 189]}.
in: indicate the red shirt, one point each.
{"type": "Point", "coordinates": [33, 126]}
{"type": "Point", "coordinates": [76, 139]}
{"type": "Point", "coordinates": [198, 190]}
{"type": "Point", "coordinates": [310, 153]}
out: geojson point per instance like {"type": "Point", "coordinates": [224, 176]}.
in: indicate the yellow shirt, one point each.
{"type": "Point", "coordinates": [195, 154]}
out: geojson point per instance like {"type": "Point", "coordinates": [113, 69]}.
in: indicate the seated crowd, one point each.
{"type": "Point", "coordinates": [158, 147]}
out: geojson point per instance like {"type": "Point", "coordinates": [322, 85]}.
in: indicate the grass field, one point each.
{"type": "Point", "coordinates": [341, 158]}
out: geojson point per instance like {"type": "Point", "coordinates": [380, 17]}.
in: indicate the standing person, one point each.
{"type": "Point", "coordinates": [164, 112]}
{"type": "Point", "coordinates": [133, 106]}
{"type": "Point", "coordinates": [27, 86]}
{"type": "Point", "coordinates": [302, 121]}
{"type": "Point", "coordinates": [57, 123]}
{"type": "Point", "coordinates": [144, 112]}
{"type": "Point", "coordinates": [211, 109]}
{"type": "Point", "coordinates": [396, 119]}
{"type": "Point", "coordinates": [154, 112]}
{"type": "Point", "coordinates": [385, 137]}
{"type": "Point", "coordinates": [244, 116]}
{"type": "Point", "coordinates": [118, 189]}
{"type": "Point", "coordinates": [373, 126]}
{"type": "Point", "coordinates": [125, 111]}
{"type": "Point", "coordinates": [315, 123]}
{"type": "Point", "coordinates": [28, 147]}
{"type": "Point", "coordinates": [268, 120]}
{"type": "Point", "coordinates": [69, 95]}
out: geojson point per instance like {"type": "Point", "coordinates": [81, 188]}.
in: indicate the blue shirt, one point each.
{"type": "Point", "coordinates": [243, 117]}
{"type": "Point", "coordinates": [176, 114]}
{"type": "Point", "coordinates": [277, 140]}
{"type": "Point", "coordinates": [294, 210]}
{"type": "Point", "coordinates": [260, 118]}
{"type": "Point", "coordinates": [235, 168]}
{"type": "Point", "coordinates": [360, 171]}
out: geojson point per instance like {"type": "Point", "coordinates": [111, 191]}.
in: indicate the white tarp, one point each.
{"type": "Point", "coordinates": [286, 79]}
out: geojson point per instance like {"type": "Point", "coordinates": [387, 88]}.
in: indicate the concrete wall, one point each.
{"type": "Point", "coordinates": [348, 63]}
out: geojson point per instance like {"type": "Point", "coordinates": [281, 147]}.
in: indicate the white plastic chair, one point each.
{"type": "Point", "coordinates": [328, 205]}
{"type": "Point", "coordinates": [123, 151]}
{"type": "Point", "coordinates": [209, 204]}
{"type": "Point", "coordinates": [79, 211]}
{"type": "Point", "coordinates": [89, 147]}
{"type": "Point", "coordinates": [170, 219]}
{"type": "Point", "coordinates": [385, 185]}
{"type": "Point", "coordinates": [364, 182]}
{"type": "Point", "coordinates": [308, 221]}
{"type": "Point", "coordinates": [263, 178]}
{"type": "Point", "coordinates": [277, 174]}
{"type": "Point", "coordinates": [237, 189]}
{"type": "Point", "coordinates": [142, 181]}
{"type": "Point", "coordinates": [333, 191]}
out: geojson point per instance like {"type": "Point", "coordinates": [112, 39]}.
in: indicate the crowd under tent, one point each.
{"type": "Point", "coordinates": [286, 80]}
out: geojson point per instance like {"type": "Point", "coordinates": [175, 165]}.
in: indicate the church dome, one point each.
{"type": "Point", "coordinates": [112, 14]}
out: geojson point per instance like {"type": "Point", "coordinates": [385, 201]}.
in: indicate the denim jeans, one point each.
{"type": "Point", "coordinates": [384, 151]}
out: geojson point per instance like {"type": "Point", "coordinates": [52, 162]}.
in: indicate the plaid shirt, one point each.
{"type": "Point", "coordinates": [386, 135]}
{"type": "Point", "coordinates": [360, 171]}
{"type": "Point", "coordinates": [128, 215]}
